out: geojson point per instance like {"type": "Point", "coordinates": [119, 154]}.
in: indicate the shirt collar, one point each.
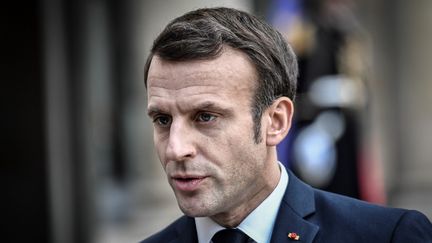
{"type": "Point", "coordinates": [258, 224]}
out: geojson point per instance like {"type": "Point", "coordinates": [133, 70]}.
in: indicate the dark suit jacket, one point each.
{"type": "Point", "coordinates": [318, 216]}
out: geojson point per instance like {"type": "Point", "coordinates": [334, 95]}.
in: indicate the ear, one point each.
{"type": "Point", "coordinates": [279, 116]}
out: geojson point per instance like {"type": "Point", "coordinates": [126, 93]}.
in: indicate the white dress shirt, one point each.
{"type": "Point", "coordinates": [259, 224]}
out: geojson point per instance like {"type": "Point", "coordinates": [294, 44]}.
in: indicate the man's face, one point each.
{"type": "Point", "coordinates": [203, 132]}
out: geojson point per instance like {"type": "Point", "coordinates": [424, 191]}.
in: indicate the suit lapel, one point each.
{"type": "Point", "coordinates": [297, 203]}
{"type": "Point", "coordinates": [186, 231]}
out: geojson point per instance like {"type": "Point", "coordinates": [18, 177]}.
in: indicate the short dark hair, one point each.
{"type": "Point", "coordinates": [202, 34]}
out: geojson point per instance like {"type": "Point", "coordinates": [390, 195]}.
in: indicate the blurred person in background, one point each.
{"type": "Point", "coordinates": [329, 145]}
{"type": "Point", "coordinates": [220, 86]}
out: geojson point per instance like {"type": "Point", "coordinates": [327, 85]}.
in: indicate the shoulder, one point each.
{"type": "Point", "coordinates": [172, 231]}
{"type": "Point", "coordinates": [339, 205]}
{"type": "Point", "coordinates": [336, 213]}
{"type": "Point", "coordinates": [413, 226]}
{"type": "Point", "coordinates": [344, 219]}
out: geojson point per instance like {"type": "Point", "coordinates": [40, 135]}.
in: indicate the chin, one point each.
{"type": "Point", "coordinates": [195, 211]}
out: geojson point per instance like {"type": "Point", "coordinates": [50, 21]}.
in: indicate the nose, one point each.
{"type": "Point", "coordinates": [180, 143]}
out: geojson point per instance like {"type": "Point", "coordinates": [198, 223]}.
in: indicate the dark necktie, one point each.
{"type": "Point", "coordinates": [230, 236]}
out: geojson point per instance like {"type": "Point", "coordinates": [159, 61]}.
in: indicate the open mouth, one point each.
{"type": "Point", "coordinates": [187, 183]}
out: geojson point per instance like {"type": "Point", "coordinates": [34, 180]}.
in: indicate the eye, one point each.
{"type": "Point", "coordinates": [205, 117]}
{"type": "Point", "coordinates": [162, 121]}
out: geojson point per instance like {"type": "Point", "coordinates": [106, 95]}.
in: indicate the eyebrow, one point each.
{"type": "Point", "coordinates": [207, 105]}
{"type": "Point", "coordinates": [154, 110]}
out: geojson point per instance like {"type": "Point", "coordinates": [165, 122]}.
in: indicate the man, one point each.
{"type": "Point", "coordinates": [220, 86]}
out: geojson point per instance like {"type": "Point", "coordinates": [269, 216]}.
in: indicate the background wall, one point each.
{"type": "Point", "coordinates": [401, 85]}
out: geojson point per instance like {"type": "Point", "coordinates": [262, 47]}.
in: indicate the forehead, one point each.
{"type": "Point", "coordinates": [231, 72]}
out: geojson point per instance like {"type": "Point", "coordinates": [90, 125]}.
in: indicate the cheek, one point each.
{"type": "Point", "coordinates": [245, 151]}
{"type": "Point", "coordinates": [236, 151]}
{"type": "Point", "coordinates": [160, 147]}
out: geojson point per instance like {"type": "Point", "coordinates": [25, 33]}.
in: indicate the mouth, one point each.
{"type": "Point", "coordinates": [187, 183]}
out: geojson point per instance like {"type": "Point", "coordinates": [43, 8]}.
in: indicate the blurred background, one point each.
{"type": "Point", "coordinates": [77, 156]}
